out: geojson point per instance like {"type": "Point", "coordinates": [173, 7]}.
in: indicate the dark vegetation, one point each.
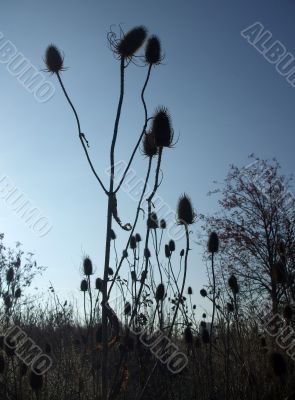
{"type": "Point", "coordinates": [123, 347]}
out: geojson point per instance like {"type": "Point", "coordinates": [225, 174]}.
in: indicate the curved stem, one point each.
{"type": "Point", "coordinates": [184, 279]}
{"type": "Point", "coordinates": [142, 133]}
{"type": "Point", "coordinates": [81, 135]}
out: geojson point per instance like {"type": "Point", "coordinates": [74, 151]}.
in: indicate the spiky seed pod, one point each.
{"type": "Point", "coordinates": [233, 284]}
{"type": "Point", "coordinates": [152, 221]}
{"type": "Point", "coordinates": [288, 312]}
{"type": "Point", "coordinates": [99, 284]}
{"type": "Point", "coordinates": [110, 271]}
{"type": "Point", "coordinates": [87, 266]}
{"type": "Point", "coordinates": [188, 336]}
{"type": "Point", "coordinates": [53, 59]}
{"type": "Point", "coordinates": [47, 348]}
{"type": "Point", "coordinates": [10, 275]}
{"type": "Point", "coordinates": [2, 364]}
{"type": "Point", "coordinates": [132, 41]}
{"type": "Point", "coordinates": [160, 292]}
{"type": "Point", "coordinates": [278, 364]}
{"type": "Point", "coordinates": [171, 245]}
{"type": "Point", "coordinates": [113, 235]}
{"type": "Point", "coordinates": [127, 308]}
{"type": "Point", "coordinates": [163, 224]}
{"type": "Point", "coordinates": [36, 381]}
{"type": "Point", "coordinates": [132, 243]}
{"type": "Point", "coordinates": [133, 275]}
{"type": "Point", "coordinates": [162, 128]}
{"type": "Point", "coordinates": [17, 293]}
{"type": "Point", "coordinates": [167, 251]}
{"type": "Point", "coordinates": [203, 292]}
{"type": "Point", "coordinates": [203, 324]}
{"type": "Point", "coordinates": [213, 243]}
{"type": "Point", "coordinates": [203, 315]}
{"type": "Point", "coordinates": [84, 285]}
{"type": "Point", "coordinates": [182, 253]}
{"type": "Point", "coordinates": [125, 253]}
{"type": "Point", "coordinates": [189, 290]}
{"type": "Point", "coordinates": [138, 237]}
{"type": "Point", "coordinates": [194, 307]}
{"type": "Point", "coordinates": [153, 50]}
{"type": "Point", "coordinates": [230, 307]}
{"type": "Point", "coordinates": [147, 253]}
{"type": "Point", "coordinates": [149, 147]}
{"type": "Point", "coordinates": [185, 211]}
{"type": "Point", "coordinates": [205, 336]}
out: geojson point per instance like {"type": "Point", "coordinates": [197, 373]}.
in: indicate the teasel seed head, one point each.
{"type": "Point", "coordinates": [149, 147]}
{"type": "Point", "coordinates": [87, 266]}
{"type": "Point", "coordinates": [160, 292]}
{"type": "Point", "coordinates": [110, 271]}
{"type": "Point", "coordinates": [133, 243]}
{"type": "Point", "coordinates": [147, 253]}
{"type": "Point", "coordinates": [138, 237]}
{"type": "Point", "coordinates": [189, 291]}
{"type": "Point", "coordinates": [213, 243]}
{"type": "Point", "coordinates": [54, 60]}
{"type": "Point", "coordinates": [84, 285]}
{"type": "Point", "coordinates": [10, 275]}
{"type": "Point", "coordinates": [167, 251]}
{"type": "Point", "coordinates": [185, 211]}
{"type": "Point", "coordinates": [99, 284]}
{"type": "Point", "coordinates": [36, 381]}
{"type": "Point", "coordinates": [288, 312]}
{"type": "Point", "coordinates": [152, 221]}
{"type": "Point", "coordinates": [18, 293]}
{"type": "Point", "coordinates": [163, 224]}
{"type": "Point", "coordinates": [182, 253]}
{"type": "Point", "coordinates": [203, 292]}
{"type": "Point", "coordinates": [188, 336]}
{"type": "Point", "coordinates": [278, 364]}
{"type": "Point", "coordinates": [171, 245]}
{"type": "Point", "coordinates": [204, 315]}
{"type": "Point", "coordinates": [113, 235]}
{"type": "Point", "coordinates": [162, 128]}
{"type": "Point", "coordinates": [125, 253]}
{"type": "Point", "coordinates": [132, 41]}
{"type": "Point", "coordinates": [233, 284]}
{"type": "Point", "coordinates": [127, 308]}
{"type": "Point", "coordinates": [153, 50]}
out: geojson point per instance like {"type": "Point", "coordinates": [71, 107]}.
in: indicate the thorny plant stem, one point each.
{"type": "Point", "coordinates": [183, 280]}
{"type": "Point", "coordinates": [104, 367]}
{"type": "Point", "coordinates": [134, 224]}
{"type": "Point", "coordinates": [212, 322]}
{"type": "Point", "coordinates": [149, 200]}
{"type": "Point", "coordinates": [143, 129]}
{"type": "Point", "coordinates": [81, 135]}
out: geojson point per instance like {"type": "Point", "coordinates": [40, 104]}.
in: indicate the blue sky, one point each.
{"type": "Point", "coordinates": [225, 99]}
